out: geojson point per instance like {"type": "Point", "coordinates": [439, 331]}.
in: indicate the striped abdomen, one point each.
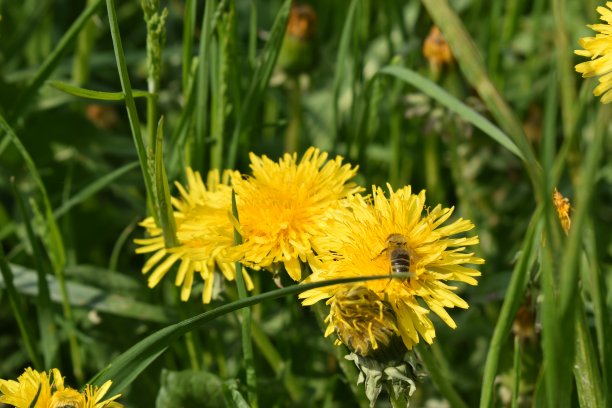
{"type": "Point", "coordinates": [400, 260]}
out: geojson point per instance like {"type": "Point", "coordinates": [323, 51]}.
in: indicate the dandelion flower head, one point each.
{"type": "Point", "coordinates": [282, 207]}
{"type": "Point", "coordinates": [204, 231]}
{"type": "Point", "coordinates": [47, 390]}
{"type": "Point", "coordinates": [356, 244]}
{"type": "Point", "coordinates": [599, 50]}
{"type": "Point", "coordinates": [361, 320]}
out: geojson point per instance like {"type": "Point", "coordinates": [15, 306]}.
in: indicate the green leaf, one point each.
{"type": "Point", "coordinates": [91, 297]}
{"type": "Point", "coordinates": [91, 94]}
{"type": "Point", "coordinates": [233, 396]}
{"type": "Point", "coordinates": [190, 388]}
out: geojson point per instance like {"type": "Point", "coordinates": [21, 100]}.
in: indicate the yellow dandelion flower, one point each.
{"type": "Point", "coordinates": [21, 393]}
{"type": "Point", "coordinates": [377, 235]}
{"type": "Point", "coordinates": [282, 207]}
{"type": "Point", "coordinates": [67, 397]}
{"type": "Point", "coordinates": [361, 320]}
{"type": "Point", "coordinates": [599, 50]}
{"type": "Point", "coordinates": [49, 391]}
{"type": "Point", "coordinates": [94, 395]}
{"type": "Point", "coordinates": [563, 207]}
{"type": "Point", "coordinates": [204, 231]}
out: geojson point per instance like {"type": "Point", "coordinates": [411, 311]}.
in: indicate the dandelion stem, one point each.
{"type": "Point", "coordinates": [247, 345]}
{"type": "Point", "coordinates": [292, 137]}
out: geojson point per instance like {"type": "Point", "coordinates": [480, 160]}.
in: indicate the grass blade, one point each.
{"type": "Point", "coordinates": [259, 81]}
{"type": "Point", "coordinates": [93, 188]}
{"type": "Point", "coordinates": [46, 325]}
{"type": "Point", "coordinates": [454, 104]}
{"type": "Point", "coordinates": [512, 301]}
{"type": "Point", "coordinates": [20, 316]}
{"type": "Point", "coordinates": [53, 241]}
{"type": "Point", "coordinates": [586, 372]}
{"type": "Point", "coordinates": [247, 341]}
{"type": "Point", "coordinates": [442, 382]}
{"type": "Point", "coordinates": [203, 76]}
{"type": "Point", "coordinates": [472, 65]}
{"type": "Point", "coordinates": [132, 362]}
{"type": "Point", "coordinates": [188, 30]}
{"type": "Point", "coordinates": [274, 358]}
{"type": "Point", "coordinates": [47, 67]}
{"type": "Point", "coordinates": [129, 98]}
{"type": "Point", "coordinates": [596, 286]}
{"type": "Point", "coordinates": [91, 94]}
{"type": "Point", "coordinates": [163, 205]}
{"type": "Point", "coordinates": [81, 196]}
{"type": "Point", "coordinates": [516, 373]}
{"type": "Point", "coordinates": [340, 71]}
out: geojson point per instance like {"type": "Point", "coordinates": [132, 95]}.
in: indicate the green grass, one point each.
{"type": "Point", "coordinates": [83, 104]}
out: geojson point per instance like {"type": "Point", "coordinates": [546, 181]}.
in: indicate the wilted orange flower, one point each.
{"type": "Point", "coordinates": [563, 207]}
{"type": "Point", "coordinates": [436, 49]}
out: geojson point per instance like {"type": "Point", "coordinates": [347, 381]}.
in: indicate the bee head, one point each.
{"type": "Point", "coordinates": [396, 239]}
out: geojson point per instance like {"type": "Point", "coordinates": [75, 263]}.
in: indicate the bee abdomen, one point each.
{"type": "Point", "coordinates": [400, 262]}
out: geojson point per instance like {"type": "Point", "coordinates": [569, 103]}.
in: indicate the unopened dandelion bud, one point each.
{"type": "Point", "coordinates": [298, 51]}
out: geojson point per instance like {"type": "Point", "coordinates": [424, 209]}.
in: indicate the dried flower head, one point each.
{"type": "Point", "coordinates": [563, 207]}
{"type": "Point", "coordinates": [361, 320]}
{"type": "Point", "coordinates": [436, 49]}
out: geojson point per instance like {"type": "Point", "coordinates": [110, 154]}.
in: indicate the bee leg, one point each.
{"type": "Point", "coordinates": [381, 252]}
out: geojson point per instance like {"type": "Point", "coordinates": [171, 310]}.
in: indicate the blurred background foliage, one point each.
{"type": "Point", "coordinates": [324, 91]}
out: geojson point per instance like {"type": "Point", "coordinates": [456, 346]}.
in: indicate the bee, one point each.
{"type": "Point", "coordinates": [398, 254]}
